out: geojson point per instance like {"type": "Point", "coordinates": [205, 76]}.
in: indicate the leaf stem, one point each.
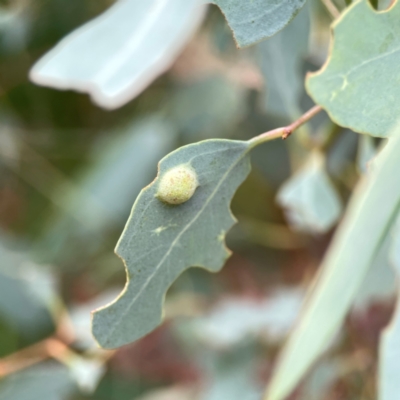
{"type": "Point", "coordinates": [333, 10]}
{"type": "Point", "coordinates": [285, 131]}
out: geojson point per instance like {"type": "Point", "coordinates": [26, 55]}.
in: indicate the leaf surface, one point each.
{"type": "Point", "coordinates": [256, 20]}
{"type": "Point", "coordinates": [45, 381]}
{"type": "Point", "coordinates": [360, 82]}
{"type": "Point", "coordinates": [23, 290]}
{"type": "Point", "coordinates": [310, 199]}
{"type": "Point", "coordinates": [160, 241]}
{"type": "Point", "coordinates": [280, 60]}
{"type": "Point", "coordinates": [234, 320]}
{"type": "Point", "coordinates": [389, 351]}
{"type": "Point", "coordinates": [118, 54]}
{"type": "Point", "coordinates": [369, 216]}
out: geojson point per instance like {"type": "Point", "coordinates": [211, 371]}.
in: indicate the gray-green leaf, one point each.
{"type": "Point", "coordinates": [45, 381]}
{"type": "Point", "coordinates": [389, 351]}
{"type": "Point", "coordinates": [118, 54]}
{"type": "Point", "coordinates": [369, 216]}
{"type": "Point", "coordinates": [360, 83]}
{"type": "Point", "coordinates": [310, 199]}
{"type": "Point", "coordinates": [160, 241]}
{"type": "Point", "coordinates": [256, 20]}
{"type": "Point", "coordinates": [280, 60]}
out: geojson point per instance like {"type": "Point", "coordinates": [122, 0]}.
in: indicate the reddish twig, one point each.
{"type": "Point", "coordinates": [286, 131]}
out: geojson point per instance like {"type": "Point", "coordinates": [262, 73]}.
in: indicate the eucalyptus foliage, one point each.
{"type": "Point", "coordinates": [182, 218]}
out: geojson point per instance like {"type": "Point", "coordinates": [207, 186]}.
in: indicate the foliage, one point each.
{"type": "Point", "coordinates": [181, 91]}
{"type": "Point", "coordinates": [110, 71]}
{"type": "Point", "coordinates": [344, 86]}
{"type": "Point", "coordinates": [161, 240]}
{"type": "Point", "coordinates": [343, 269]}
{"type": "Point", "coordinates": [254, 21]}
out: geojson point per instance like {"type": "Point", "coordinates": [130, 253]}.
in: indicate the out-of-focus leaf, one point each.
{"type": "Point", "coordinates": [394, 255]}
{"type": "Point", "coordinates": [42, 282]}
{"type": "Point", "coordinates": [389, 354]}
{"type": "Point", "coordinates": [253, 21]}
{"type": "Point", "coordinates": [80, 317]}
{"type": "Point", "coordinates": [117, 55]}
{"type": "Point", "coordinates": [309, 198]}
{"type": "Point", "coordinates": [233, 376]}
{"type": "Point", "coordinates": [86, 372]}
{"type": "Point", "coordinates": [280, 60]}
{"type": "Point", "coordinates": [321, 379]}
{"type": "Point", "coordinates": [20, 305]}
{"type": "Point", "coordinates": [354, 247]}
{"type": "Point", "coordinates": [119, 170]}
{"type": "Point", "coordinates": [48, 381]}
{"type": "Point", "coordinates": [14, 27]}
{"type": "Point", "coordinates": [344, 86]}
{"type": "Point", "coordinates": [236, 319]}
{"type": "Point", "coordinates": [341, 154]}
{"type": "Point", "coordinates": [319, 33]}
{"type": "Point", "coordinates": [122, 164]}
{"type": "Point", "coordinates": [38, 281]}
{"type": "Point", "coordinates": [208, 108]}
{"type": "Point", "coordinates": [379, 283]}
{"type": "Point", "coordinates": [366, 152]}
{"type": "Point", "coordinates": [20, 308]}
{"type": "Point", "coordinates": [160, 241]}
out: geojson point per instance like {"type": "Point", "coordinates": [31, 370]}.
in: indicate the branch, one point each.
{"type": "Point", "coordinates": [333, 10]}
{"type": "Point", "coordinates": [31, 355]}
{"type": "Point", "coordinates": [56, 347]}
{"type": "Point", "coordinates": [286, 131]}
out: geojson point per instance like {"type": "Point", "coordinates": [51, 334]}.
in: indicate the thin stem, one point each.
{"type": "Point", "coordinates": [24, 358]}
{"type": "Point", "coordinates": [333, 10]}
{"type": "Point", "coordinates": [285, 131]}
{"type": "Point", "coordinates": [51, 347]}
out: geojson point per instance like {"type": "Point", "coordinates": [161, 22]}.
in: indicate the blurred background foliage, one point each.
{"type": "Point", "coordinates": [70, 172]}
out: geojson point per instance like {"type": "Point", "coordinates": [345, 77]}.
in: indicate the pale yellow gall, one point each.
{"type": "Point", "coordinates": [177, 185]}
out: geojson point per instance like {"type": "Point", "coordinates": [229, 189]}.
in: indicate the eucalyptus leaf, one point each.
{"type": "Point", "coordinates": [365, 45]}
{"type": "Point", "coordinates": [389, 351]}
{"type": "Point", "coordinates": [80, 317]}
{"type": "Point", "coordinates": [232, 376]}
{"type": "Point", "coordinates": [379, 283]}
{"type": "Point", "coordinates": [235, 319]}
{"type": "Point", "coordinates": [15, 24]}
{"type": "Point", "coordinates": [355, 245]}
{"type": "Point", "coordinates": [122, 162]}
{"type": "Point", "coordinates": [20, 305]}
{"type": "Point", "coordinates": [86, 372]}
{"type": "Point", "coordinates": [160, 240]}
{"type": "Point", "coordinates": [207, 108]}
{"type": "Point", "coordinates": [253, 21]}
{"type": "Point", "coordinates": [309, 198]}
{"type": "Point", "coordinates": [118, 54]}
{"type": "Point", "coordinates": [394, 254]}
{"type": "Point", "coordinates": [21, 309]}
{"type": "Point", "coordinates": [281, 60]}
{"type": "Point", "coordinates": [46, 381]}
{"type": "Point", "coordinates": [322, 378]}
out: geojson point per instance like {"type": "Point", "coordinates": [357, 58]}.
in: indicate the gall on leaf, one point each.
{"type": "Point", "coordinates": [177, 185]}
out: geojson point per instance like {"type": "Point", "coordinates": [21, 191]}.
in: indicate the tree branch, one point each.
{"type": "Point", "coordinates": [285, 131]}
{"type": "Point", "coordinates": [333, 10]}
